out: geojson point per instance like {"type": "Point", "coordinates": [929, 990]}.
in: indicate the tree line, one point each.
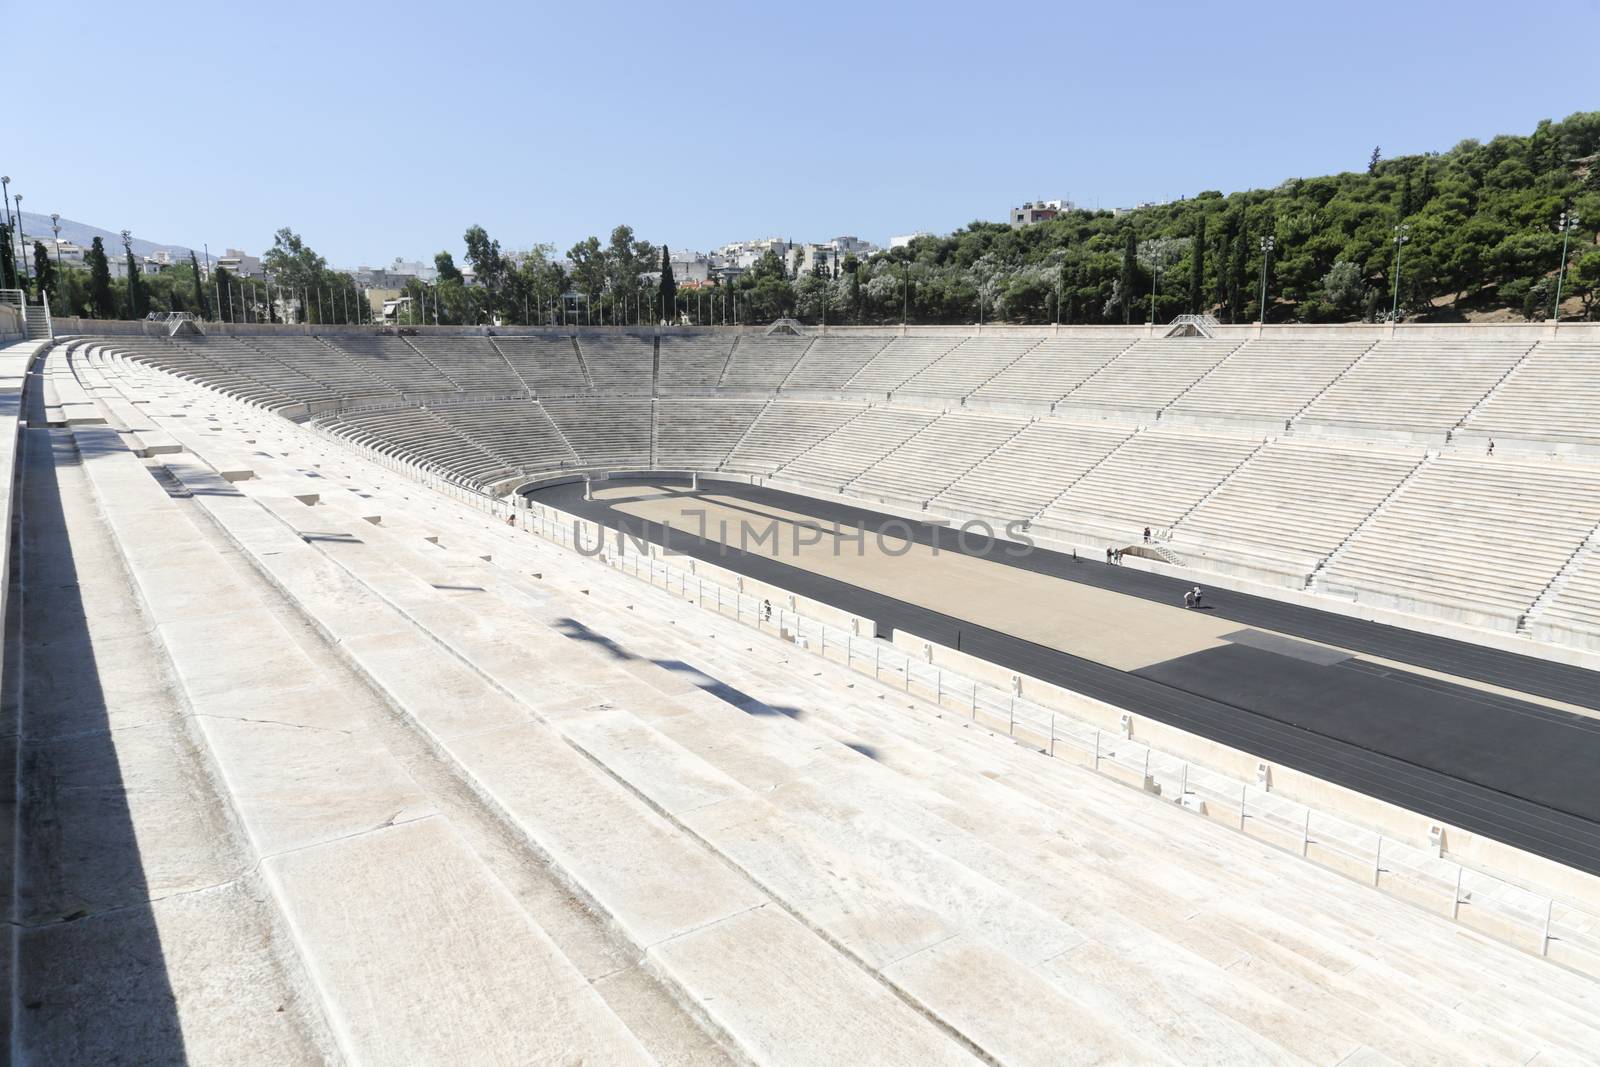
{"type": "Point", "coordinates": [1474, 232]}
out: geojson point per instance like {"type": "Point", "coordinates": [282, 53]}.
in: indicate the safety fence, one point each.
{"type": "Point", "coordinates": [1535, 922]}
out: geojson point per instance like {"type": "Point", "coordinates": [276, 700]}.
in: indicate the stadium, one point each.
{"type": "Point", "coordinates": [822, 535]}
{"type": "Point", "coordinates": [790, 694]}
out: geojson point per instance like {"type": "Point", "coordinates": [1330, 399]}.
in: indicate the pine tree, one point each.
{"type": "Point", "coordinates": [1197, 268]}
{"type": "Point", "coordinates": [200, 303]}
{"type": "Point", "coordinates": [669, 286]}
{"type": "Point", "coordinates": [101, 301]}
{"type": "Point", "coordinates": [1128, 280]}
{"type": "Point", "coordinates": [1377, 157]}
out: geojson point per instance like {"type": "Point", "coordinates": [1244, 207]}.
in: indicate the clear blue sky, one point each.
{"type": "Point", "coordinates": [378, 130]}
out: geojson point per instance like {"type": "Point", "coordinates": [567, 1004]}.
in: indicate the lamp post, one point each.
{"type": "Point", "coordinates": [127, 248]}
{"type": "Point", "coordinates": [5, 198]}
{"type": "Point", "coordinates": [22, 241]}
{"type": "Point", "coordinates": [1401, 236]}
{"type": "Point", "coordinates": [55, 225]}
{"type": "Point", "coordinates": [1569, 219]}
{"type": "Point", "coordinates": [1266, 265]}
{"type": "Point", "coordinates": [905, 294]}
{"type": "Point", "coordinates": [1155, 278]}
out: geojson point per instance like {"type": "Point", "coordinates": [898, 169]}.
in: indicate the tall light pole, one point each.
{"type": "Point", "coordinates": [905, 294]}
{"type": "Point", "coordinates": [1401, 233]}
{"type": "Point", "coordinates": [55, 224]}
{"type": "Point", "coordinates": [1569, 219]}
{"type": "Point", "coordinates": [1266, 265]}
{"type": "Point", "coordinates": [127, 248]}
{"type": "Point", "coordinates": [1155, 279]}
{"type": "Point", "coordinates": [22, 240]}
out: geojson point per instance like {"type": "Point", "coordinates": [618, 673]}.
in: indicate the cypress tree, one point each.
{"type": "Point", "coordinates": [224, 283]}
{"type": "Point", "coordinates": [1197, 268]}
{"type": "Point", "coordinates": [200, 302]}
{"type": "Point", "coordinates": [44, 271]}
{"type": "Point", "coordinates": [1241, 257]}
{"type": "Point", "coordinates": [669, 286]}
{"type": "Point", "coordinates": [1224, 243]}
{"type": "Point", "coordinates": [138, 297]}
{"type": "Point", "coordinates": [100, 298]}
{"type": "Point", "coordinates": [1405, 196]}
{"type": "Point", "coordinates": [1128, 280]}
{"type": "Point", "coordinates": [8, 260]}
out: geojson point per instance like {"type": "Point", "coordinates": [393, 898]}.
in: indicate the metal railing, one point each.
{"type": "Point", "coordinates": [1535, 922]}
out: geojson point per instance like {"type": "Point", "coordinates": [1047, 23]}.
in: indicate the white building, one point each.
{"type": "Point", "coordinates": [906, 238]}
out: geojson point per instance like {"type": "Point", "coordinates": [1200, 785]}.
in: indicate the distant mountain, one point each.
{"type": "Point", "coordinates": [36, 227]}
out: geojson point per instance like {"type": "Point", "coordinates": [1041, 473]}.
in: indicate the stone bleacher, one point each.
{"type": "Point", "coordinates": [700, 434]}
{"type": "Point", "coordinates": [1292, 505]}
{"type": "Point", "coordinates": [1164, 456]}
{"type": "Point", "coordinates": [1551, 400]}
{"type": "Point", "coordinates": [830, 362]}
{"type": "Point", "coordinates": [1049, 371]}
{"type": "Point", "coordinates": [785, 429]}
{"type": "Point", "coordinates": [619, 364]}
{"type": "Point", "coordinates": [858, 444]}
{"type": "Point", "coordinates": [1411, 390]}
{"type": "Point", "coordinates": [432, 790]}
{"type": "Point", "coordinates": [693, 364]}
{"type": "Point", "coordinates": [1265, 383]}
{"type": "Point", "coordinates": [760, 364]}
{"type": "Point", "coordinates": [900, 360]}
{"type": "Point", "coordinates": [936, 456]}
{"type": "Point", "coordinates": [605, 431]}
{"type": "Point", "coordinates": [1153, 479]}
{"type": "Point", "coordinates": [1028, 471]}
{"type": "Point", "coordinates": [1147, 377]}
{"type": "Point", "coordinates": [395, 362]}
{"type": "Point", "coordinates": [548, 365]}
{"type": "Point", "coordinates": [518, 431]}
{"type": "Point", "coordinates": [967, 366]}
{"type": "Point", "coordinates": [1478, 538]}
{"type": "Point", "coordinates": [474, 363]}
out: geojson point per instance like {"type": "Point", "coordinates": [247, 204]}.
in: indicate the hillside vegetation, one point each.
{"type": "Point", "coordinates": [1482, 236]}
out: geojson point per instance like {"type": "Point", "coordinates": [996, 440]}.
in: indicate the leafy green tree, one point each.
{"type": "Point", "coordinates": [100, 297]}
{"type": "Point", "coordinates": [489, 266]}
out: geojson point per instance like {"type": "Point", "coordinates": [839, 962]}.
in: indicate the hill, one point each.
{"type": "Point", "coordinates": [1482, 239]}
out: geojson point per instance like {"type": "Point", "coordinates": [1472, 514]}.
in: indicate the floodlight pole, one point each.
{"type": "Point", "coordinates": [1569, 219]}
{"type": "Point", "coordinates": [1400, 238]}
{"type": "Point", "coordinates": [127, 247]}
{"type": "Point", "coordinates": [22, 241]}
{"type": "Point", "coordinates": [1266, 266]}
{"type": "Point", "coordinates": [55, 225]}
